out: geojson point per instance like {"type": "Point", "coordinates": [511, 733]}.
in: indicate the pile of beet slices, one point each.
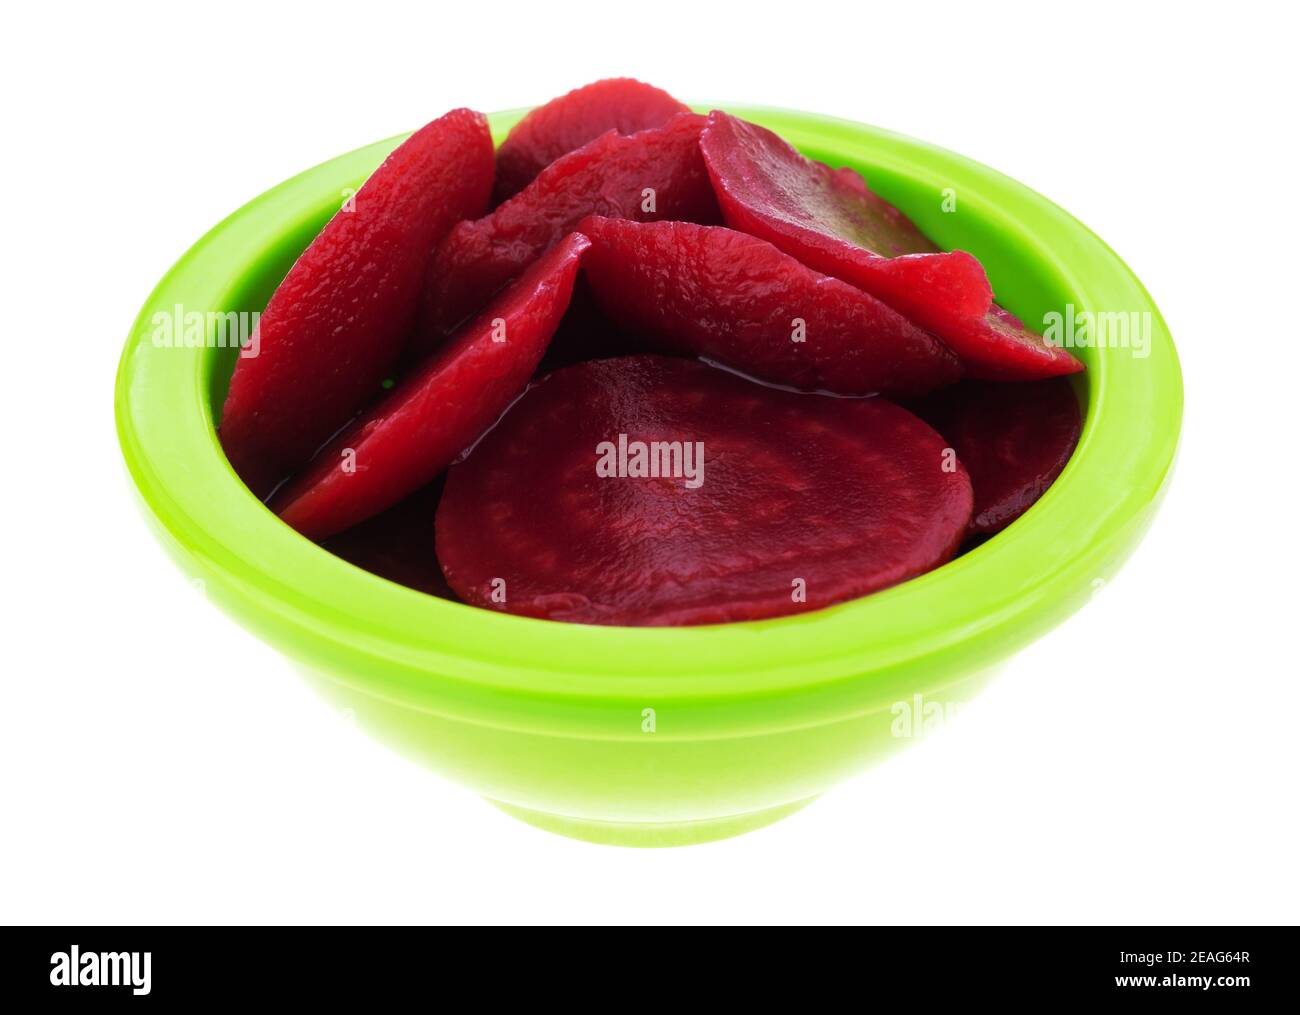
{"type": "Point", "coordinates": [640, 366]}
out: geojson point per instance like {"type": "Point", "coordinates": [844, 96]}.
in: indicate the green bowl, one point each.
{"type": "Point", "coordinates": [661, 736]}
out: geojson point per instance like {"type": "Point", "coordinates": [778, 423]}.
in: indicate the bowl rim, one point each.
{"type": "Point", "coordinates": [411, 647]}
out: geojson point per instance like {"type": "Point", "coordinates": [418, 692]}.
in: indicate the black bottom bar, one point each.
{"type": "Point", "coordinates": [141, 965]}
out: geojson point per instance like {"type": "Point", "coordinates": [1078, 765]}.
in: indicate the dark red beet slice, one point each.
{"type": "Point", "coordinates": [398, 544]}
{"type": "Point", "coordinates": [998, 347]}
{"type": "Point", "coordinates": [804, 500]}
{"type": "Point", "coordinates": [711, 291]}
{"type": "Point", "coordinates": [337, 324]}
{"type": "Point", "coordinates": [1014, 440]}
{"type": "Point", "coordinates": [557, 128]}
{"type": "Point", "coordinates": [831, 221]}
{"type": "Point", "coordinates": [616, 176]}
{"type": "Point", "coordinates": [437, 411]}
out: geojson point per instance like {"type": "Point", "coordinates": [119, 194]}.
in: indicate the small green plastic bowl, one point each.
{"type": "Point", "coordinates": [660, 736]}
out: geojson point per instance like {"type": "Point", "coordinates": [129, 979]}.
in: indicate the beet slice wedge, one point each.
{"type": "Point", "coordinates": [437, 411]}
{"type": "Point", "coordinates": [654, 174]}
{"type": "Point", "coordinates": [802, 500]}
{"type": "Point", "coordinates": [1014, 440]}
{"type": "Point", "coordinates": [999, 347]}
{"type": "Point", "coordinates": [624, 105]}
{"type": "Point", "coordinates": [336, 325]}
{"type": "Point", "coordinates": [831, 221]}
{"type": "Point", "coordinates": [715, 292]}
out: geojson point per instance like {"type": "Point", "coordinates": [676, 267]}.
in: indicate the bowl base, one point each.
{"type": "Point", "coordinates": [654, 834]}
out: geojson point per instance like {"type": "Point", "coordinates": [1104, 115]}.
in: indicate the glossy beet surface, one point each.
{"type": "Point", "coordinates": [779, 502]}
{"type": "Point", "coordinates": [337, 323]}
{"type": "Point", "coordinates": [624, 105]}
{"type": "Point", "coordinates": [1014, 440]}
{"type": "Point", "coordinates": [439, 409]}
{"type": "Point", "coordinates": [999, 347]}
{"type": "Point", "coordinates": [831, 221]}
{"type": "Point", "coordinates": [711, 291]}
{"type": "Point", "coordinates": [655, 174]}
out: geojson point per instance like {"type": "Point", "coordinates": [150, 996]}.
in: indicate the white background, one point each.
{"type": "Point", "coordinates": [160, 764]}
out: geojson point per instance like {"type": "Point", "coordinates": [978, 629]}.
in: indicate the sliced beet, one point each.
{"type": "Point", "coordinates": [654, 174]}
{"type": "Point", "coordinates": [831, 221]}
{"type": "Point", "coordinates": [397, 544]}
{"type": "Point", "coordinates": [336, 325]}
{"type": "Point", "coordinates": [715, 292]}
{"type": "Point", "coordinates": [437, 411]}
{"type": "Point", "coordinates": [1014, 440]}
{"type": "Point", "coordinates": [804, 500]}
{"type": "Point", "coordinates": [998, 347]}
{"type": "Point", "coordinates": [624, 105]}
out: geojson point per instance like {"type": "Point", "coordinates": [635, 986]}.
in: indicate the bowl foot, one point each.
{"type": "Point", "coordinates": [655, 834]}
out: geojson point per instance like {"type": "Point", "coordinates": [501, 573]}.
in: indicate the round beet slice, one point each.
{"type": "Point", "coordinates": [557, 128]}
{"type": "Point", "coordinates": [647, 490]}
{"type": "Point", "coordinates": [715, 292]}
{"type": "Point", "coordinates": [1014, 440]}
{"type": "Point", "coordinates": [405, 440]}
{"type": "Point", "coordinates": [653, 174]}
{"type": "Point", "coordinates": [338, 322]}
{"type": "Point", "coordinates": [831, 221]}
